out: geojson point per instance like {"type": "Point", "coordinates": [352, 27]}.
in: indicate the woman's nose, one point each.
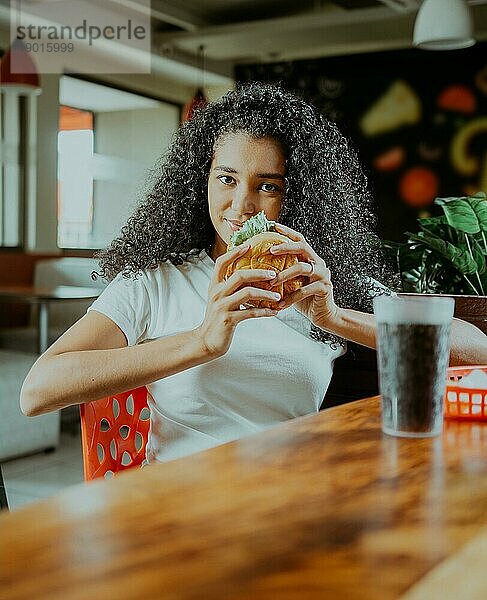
{"type": "Point", "coordinates": [243, 201]}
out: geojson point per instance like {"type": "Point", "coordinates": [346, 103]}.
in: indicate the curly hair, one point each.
{"type": "Point", "coordinates": [326, 195]}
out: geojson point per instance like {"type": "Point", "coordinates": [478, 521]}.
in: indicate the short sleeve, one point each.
{"type": "Point", "coordinates": [126, 303]}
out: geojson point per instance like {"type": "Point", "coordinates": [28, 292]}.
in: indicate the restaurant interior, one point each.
{"type": "Point", "coordinates": [406, 82]}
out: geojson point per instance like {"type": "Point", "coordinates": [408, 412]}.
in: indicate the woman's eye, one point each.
{"type": "Point", "coordinates": [269, 187]}
{"type": "Point", "coordinates": [226, 179]}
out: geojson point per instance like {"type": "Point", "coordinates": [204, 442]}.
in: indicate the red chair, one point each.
{"type": "Point", "coordinates": [114, 433]}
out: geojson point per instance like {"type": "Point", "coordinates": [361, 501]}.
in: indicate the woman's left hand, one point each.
{"type": "Point", "coordinates": [314, 299]}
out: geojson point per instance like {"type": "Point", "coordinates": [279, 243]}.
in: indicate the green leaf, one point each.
{"type": "Point", "coordinates": [478, 256]}
{"type": "Point", "coordinates": [483, 279]}
{"type": "Point", "coordinates": [390, 244]}
{"type": "Point", "coordinates": [432, 222]}
{"type": "Point", "coordinates": [434, 225]}
{"type": "Point", "coordinates": [414, 242]}
{"type": "Point", "coordinates": [479, 206]}
{"type": "Point", "coordinates": [411, 257]}
{"type": "Point", "coordinates": [411, 282]}
{"type": "Point", "coordinates": [465, 214]}
{"type": "Point", "coordinates": [460, 258]}
{"type": "Point", "coordinates": [439, 227]}
{"type": "Point", "coordinates": [256, 224]}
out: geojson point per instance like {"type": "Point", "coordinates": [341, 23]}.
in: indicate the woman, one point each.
{"type": "Point", "coordinates": [170, 320]}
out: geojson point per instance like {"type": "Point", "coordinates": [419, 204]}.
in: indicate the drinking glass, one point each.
{"type": "Point", "coordinates": [413, 343]}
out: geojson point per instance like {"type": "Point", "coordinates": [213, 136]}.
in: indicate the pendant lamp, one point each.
{"type": "Point", "coordinates": [18, 72]}
{"type": "Point", "coordinates": [198, 100]}
{"type": "Point", "coordinates": [443, 25]}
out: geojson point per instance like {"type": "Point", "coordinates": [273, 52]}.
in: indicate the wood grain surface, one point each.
{"type": "Point", "coordinates": [325, 506]}
{"type": "Point", "coordinates": [462, 575]}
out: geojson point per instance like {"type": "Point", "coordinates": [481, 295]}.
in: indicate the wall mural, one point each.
{"type": "Point", "coordinates": [418, 120]}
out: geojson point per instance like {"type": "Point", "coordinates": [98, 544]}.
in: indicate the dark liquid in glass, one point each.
{"type": "Point", "coordinates": [412, 360]}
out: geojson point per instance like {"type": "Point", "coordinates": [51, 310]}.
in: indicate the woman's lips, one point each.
{"type": "Point", "coordinates": [234, 225]}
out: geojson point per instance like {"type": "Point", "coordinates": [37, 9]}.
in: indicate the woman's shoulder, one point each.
{"type": "Point", "coordinates": [166, 269]}
{"type": "Point", "coordinates": [145, 304]}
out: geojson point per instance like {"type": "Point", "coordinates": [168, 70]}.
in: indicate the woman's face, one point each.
{"type": "Point", "coordinates": [246, 176]}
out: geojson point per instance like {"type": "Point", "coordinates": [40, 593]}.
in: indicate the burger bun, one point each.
{"type": "Point", "coordinates": [258, 256]}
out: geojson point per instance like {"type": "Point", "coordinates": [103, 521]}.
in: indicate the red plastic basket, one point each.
{"type": "Point", "coordinates": [463, 402]}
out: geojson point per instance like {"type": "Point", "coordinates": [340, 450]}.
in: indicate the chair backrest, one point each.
{"type": "Point", "coordinates": [114, 433]}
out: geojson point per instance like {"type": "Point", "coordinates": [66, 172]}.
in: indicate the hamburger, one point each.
{"type": "Point", "coordinates": [260, 233]}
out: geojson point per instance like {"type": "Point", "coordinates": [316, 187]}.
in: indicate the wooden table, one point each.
{"type": "Point", "coordinates": [324, 506]}
{"type": "Point", "coordinates": [42, 297]}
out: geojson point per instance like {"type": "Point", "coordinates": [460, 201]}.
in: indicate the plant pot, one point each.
{"type": "Point", "coordinates": [469, 308]}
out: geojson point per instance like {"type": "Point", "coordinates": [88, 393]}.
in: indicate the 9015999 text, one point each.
{"type": "Point", "coordinates": [49, 47]}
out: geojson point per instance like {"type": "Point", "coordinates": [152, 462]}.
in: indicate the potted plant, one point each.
{"type": "Point", "coordinates": [448, 256]}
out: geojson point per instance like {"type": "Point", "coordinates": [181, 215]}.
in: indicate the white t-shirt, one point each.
{"type": "Point", "coordinates": [272, 372]}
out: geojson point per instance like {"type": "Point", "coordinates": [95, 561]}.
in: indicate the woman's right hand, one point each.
{"type": "Point", "coordinates": [225, 297]}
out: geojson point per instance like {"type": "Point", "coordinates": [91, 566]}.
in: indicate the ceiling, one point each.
{"type": "Point", "coordinates": [218, 34]}
{"type": "Point", "coordinates": [240, 31]}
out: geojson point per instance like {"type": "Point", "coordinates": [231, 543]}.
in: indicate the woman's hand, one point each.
{"type": "Point", "coordinates": [315, 299]}
{"type": "Point", "coordinates": [225, 298]}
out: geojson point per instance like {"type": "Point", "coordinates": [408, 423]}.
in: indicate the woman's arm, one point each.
{"type": "Point", "coordinates": [354, 326]}
{"type": "Point", "coordinates": [468, 344]}
{"type": "Point", "coordinates": [91, 360]}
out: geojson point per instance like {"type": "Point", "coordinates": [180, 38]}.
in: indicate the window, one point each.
{"type": "Point", "coordinates": [108, 141]}
{"type": "Point", "coordinates": [75, 177]}
{"type": "Point", "coordinates": [13, 166]}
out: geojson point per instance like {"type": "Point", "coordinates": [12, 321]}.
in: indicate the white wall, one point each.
{"type": "Point", "coordinates": [127, 144]}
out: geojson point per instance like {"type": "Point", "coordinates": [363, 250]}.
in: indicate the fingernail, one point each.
{"type": "Point", "coordinates": [270, 274]}
{"type": "Point", "coordinates": [276, 295]}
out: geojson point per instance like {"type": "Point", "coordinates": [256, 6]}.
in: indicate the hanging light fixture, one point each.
{"type": "Point", "coordinates": [198, 100]}
{"type": "Point", "coordinates": [443, 25]}
{"type": "Point", "coordinates": [18, 72]}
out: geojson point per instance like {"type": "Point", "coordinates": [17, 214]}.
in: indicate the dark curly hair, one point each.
{"type": "Point", "coordinates": [326, 195]}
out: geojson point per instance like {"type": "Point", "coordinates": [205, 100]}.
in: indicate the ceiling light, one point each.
{"type": "Point", "coordinates": [443, 25]}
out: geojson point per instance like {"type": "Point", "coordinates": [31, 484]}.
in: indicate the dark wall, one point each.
{"type": "Point", "coordinates": [424, 106]}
